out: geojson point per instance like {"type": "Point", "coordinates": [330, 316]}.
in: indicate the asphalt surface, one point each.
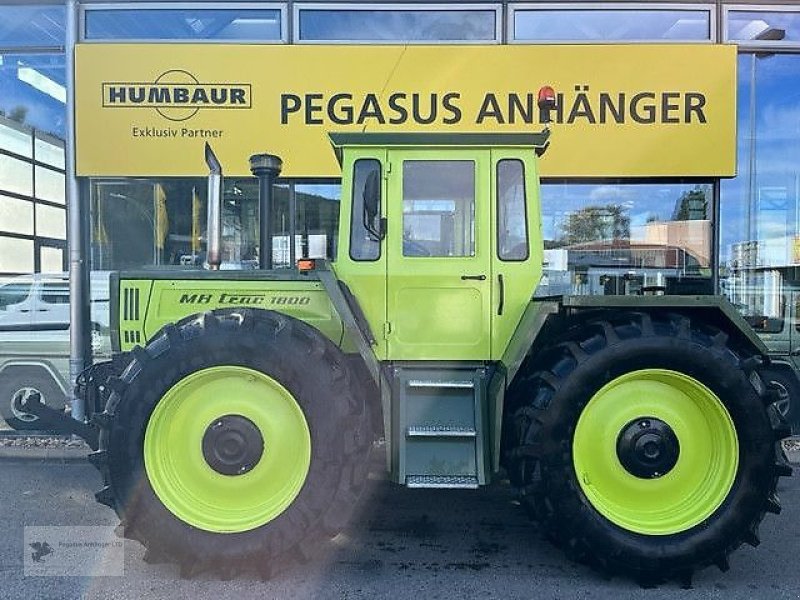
{"type": "Point", "coordinates": [402, 544]}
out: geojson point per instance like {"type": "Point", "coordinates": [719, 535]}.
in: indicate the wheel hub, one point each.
{"type": "Point", "coordinates": [648, 448]}
{"type": "Point", "coordinates": [232, 445]}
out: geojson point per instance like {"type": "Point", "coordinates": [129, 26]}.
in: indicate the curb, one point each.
{"type": "Point", "coordinates": [17, 446]}
{"type": "Point", "coordinates": [50, 455]}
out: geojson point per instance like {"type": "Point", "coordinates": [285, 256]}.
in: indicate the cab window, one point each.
{"type": "Point", "coordinates": [439, 208]}
{"type": "Point", "coordinates": [365, 222]}
{"type": "Point", "coordinates": [512, 224]}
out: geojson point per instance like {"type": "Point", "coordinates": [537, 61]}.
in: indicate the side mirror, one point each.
{"type": "Point", "coordinates": [372, 206]}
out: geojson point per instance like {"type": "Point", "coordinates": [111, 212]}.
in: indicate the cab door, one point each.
{"type": "Point", "coordinates": [438, 256]}
{"type": "Point", "coordinates": [517, 247]}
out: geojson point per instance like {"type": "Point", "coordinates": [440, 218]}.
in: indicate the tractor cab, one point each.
{"type": "Point", "coordinates": [440, 238]}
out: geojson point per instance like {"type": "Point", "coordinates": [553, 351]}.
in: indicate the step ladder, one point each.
{"type": "Point", "coordinates": [440, 422]}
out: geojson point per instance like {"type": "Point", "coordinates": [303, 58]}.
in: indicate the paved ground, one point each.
{"type": "Point", "coordinates": [404, 543]}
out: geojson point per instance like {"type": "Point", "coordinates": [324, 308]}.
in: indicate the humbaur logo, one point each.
{"type": "Point", "coordinates": [176, 95]}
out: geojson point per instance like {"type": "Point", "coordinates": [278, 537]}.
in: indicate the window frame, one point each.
{"type": "Point", "coordinates": [405, 6]}
{"type": "Point", "coordinates": [141, 6]}
{"type": "Point", "coordinates": [524, 211]}
{"type": "Point", "coordinates": [473, 231]}
{"type": "Point", "coordinates": [745, 45]}
{"type": "Point", "coordinates": [359, 218]}
{"type": "Point", "coordinates": [515, 7]}
{"type": "Point", "coordinates": [17, 48]}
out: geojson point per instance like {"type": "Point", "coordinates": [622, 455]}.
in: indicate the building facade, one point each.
{"type": "Point", "coordinates": [602, 234]}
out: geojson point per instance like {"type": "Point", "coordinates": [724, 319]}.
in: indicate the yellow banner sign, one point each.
{"type": "Point", "coordinates": [623, 111]}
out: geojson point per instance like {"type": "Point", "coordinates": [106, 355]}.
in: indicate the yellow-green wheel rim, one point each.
{"type": "Point", "coordinates": [182, 479]}
{"type": "Point", "coordinates": [700, 480]}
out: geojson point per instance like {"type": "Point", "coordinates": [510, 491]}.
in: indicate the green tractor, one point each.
{"type": "Point", "coordinates": [234, 426]}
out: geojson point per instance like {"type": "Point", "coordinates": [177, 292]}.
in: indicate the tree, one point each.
{"type": "Point", "coordinates": [594, 223]}
{"type": "Point", "coordinates": [18, 114]}
{"type": "Point", "coordinates": [691, 206]}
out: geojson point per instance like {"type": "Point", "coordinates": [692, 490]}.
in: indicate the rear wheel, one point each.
{"type": "Point", "coordinates": [236, 440]}
{"type": "Point", "coordinates": [646, 446]}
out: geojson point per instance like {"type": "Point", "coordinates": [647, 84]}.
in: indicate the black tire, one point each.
{"type": "Point", "coordinates": [787, 386]}
{"type": "Point", "coordinates": [546, 406]}
{"type": "Point", "coordinates": [292, 353]}
{"type": "Point", "coordinates": [16, 381]}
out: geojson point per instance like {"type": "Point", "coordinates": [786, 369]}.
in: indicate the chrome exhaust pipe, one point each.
{"type": "Point", "coordinates": [214, 213]}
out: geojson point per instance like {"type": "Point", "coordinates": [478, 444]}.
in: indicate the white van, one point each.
{"type": "Point", "coordinates": [34, 339]}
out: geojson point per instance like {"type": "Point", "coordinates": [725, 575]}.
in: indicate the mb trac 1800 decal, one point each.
{"type": "Point", "coordinates": [251, 299]}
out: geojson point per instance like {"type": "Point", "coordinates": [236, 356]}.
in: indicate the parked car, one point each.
{"type": "Point", "coordinates": [34, 340]}
{"type": "Point", "coordinates": [780, 331]}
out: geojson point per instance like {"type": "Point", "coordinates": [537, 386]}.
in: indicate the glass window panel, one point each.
{"type": "Point", "coordinates": [764, 26]}
{"type": "Point", "coordinates": [51, 222]}
{"type": "Point", "coordinates": [15, 139]}
{"type": "Point", "coordinates": [16, 255]}
{"type": "Point", "coordinates": [398, 25]}
{"type": "Point", "coordinates": [317, 218]}
{"type": "Point", "coordinates": [611, 25]}
{"type": "Point", "coordinates": [51, 260]}
{"type": "Point", "coordinates": [438, 208]}
{"type": "Point", "coordinates": [14, 292]}
{"type": "Point", "coordinates": [33, 91]}
{"type": "Point", "coordinates": [55, 292]}
{"type": "Point", "coordinates": [760, 207]}
{"type": "Point", "coordinates": [617, 238]}
{"type": "Point", "coordinates": [124, 227]}
{"type": "Point", "coordinates": [16, 216]}
{"type": "Point", "coordinates": [512, 222]}
{"type": "Point", "coordinates": [365, 240]}
{"type": "Point", "coordinates": [138, 223]}
{"type": "Point", "coordinates": [183, 24]}
{"type": "Point", "coordinates": [32, 25]}
{"type": "Point", "coordinates": [281, 253]}
{"type": "Point", "coordinates": [16, 175]}
{"type": "Point", "coordinates": [51, 153]}
{"type": "Point", "coordinates": [50, 185]}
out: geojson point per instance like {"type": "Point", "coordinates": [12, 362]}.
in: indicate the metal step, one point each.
{"type": "Point", "coordinates": [441, 431]}
{"type": "Point", "coordinates": [442, 481]}
{"type": "Point", "coordinates": [421, 383]}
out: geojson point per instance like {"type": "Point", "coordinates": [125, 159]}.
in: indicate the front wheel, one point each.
{"type": "Point", "coordinates": [646, 446]}
{"type": "Point", "coordinates": [235, 440]}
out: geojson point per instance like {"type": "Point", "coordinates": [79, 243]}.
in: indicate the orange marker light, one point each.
{"type": "Point", "coordinates": [306, 264]}
{"type": "Point", "coordinates": [546, 99]}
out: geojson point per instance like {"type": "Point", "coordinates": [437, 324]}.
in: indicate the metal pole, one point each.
{"type": "Point", "coordinates": [266, 167]}
{"type": "Point", "coordinates": [716, 250]}
{"type": "Point", "coordinates": [76, 228]}
{"type": "Point", "coordinates": [292, 227]}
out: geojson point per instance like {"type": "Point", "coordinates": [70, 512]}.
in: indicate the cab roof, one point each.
{"type": "Point", "coordinates": [538, 141]}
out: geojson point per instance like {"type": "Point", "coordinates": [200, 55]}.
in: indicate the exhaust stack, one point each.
{"type": "Point", "coordinates": [266, 167]}
{"type": "Point", "coordinates": [214, 214]}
